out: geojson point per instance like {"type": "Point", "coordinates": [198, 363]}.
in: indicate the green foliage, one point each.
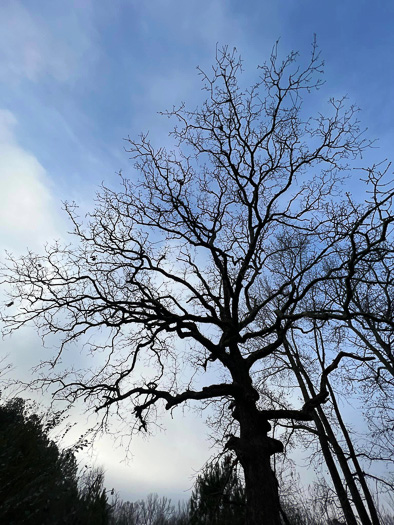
{"type": "Point", "coordinates": [218, 497]}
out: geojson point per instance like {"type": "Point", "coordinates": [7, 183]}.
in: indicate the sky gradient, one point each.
{"type": "Point", "coordinates": [78, 77]}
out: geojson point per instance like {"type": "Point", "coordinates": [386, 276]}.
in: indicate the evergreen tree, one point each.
{"type": "Point", "coordinates": [39, 482]}
{"type": "Point", "coordinates": [218, 497]}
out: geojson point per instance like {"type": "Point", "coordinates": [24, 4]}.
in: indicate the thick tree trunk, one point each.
{"type": "Point", "coordinates": [262, 498]}
{"type": "Point", "coordinates": [254, 449]}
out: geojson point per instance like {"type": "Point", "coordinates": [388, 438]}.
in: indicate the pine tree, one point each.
{"type": "Point", "coordinates": [219, 496]}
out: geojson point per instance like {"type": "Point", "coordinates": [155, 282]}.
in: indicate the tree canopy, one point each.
{"type": "Point", "coordinates": [227, 254]}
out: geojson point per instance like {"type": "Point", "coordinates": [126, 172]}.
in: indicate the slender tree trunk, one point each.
{"type": "Point", "coordinates": [353, 455]}
{"type": "Point", "coordinates": [356, 496]}
{"type": "Point", "coordinates": [335, 476]}
{"type": "Point", "coordinates": [339, 453]}
{"type": "Point", "coordinates": [307, 391]}
{"type": "Point", "coordinates": [343, 461]}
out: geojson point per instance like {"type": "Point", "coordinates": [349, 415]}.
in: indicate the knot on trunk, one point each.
{"type": "Point", "coordinates": [234, 443]}
{"type": "Point", "coordinates": [275, 446]}
{"type": "Point", "coordinates": [253, 448]}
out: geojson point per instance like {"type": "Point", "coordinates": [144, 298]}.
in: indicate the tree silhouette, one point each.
{"type": "Point", "coordinates": [151, 511]}
{"type": "Point", "coordinates": [218, 497]}
{"type": "Point", "coordinates": [93, 500]}
{"type": "Point", "coordinates": [39, 483]}
{"type": "Point", "coordinates": [228, 245]}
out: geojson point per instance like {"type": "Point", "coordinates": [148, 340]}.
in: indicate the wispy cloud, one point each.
{"type": "Point", "coordinates": [31, 48]}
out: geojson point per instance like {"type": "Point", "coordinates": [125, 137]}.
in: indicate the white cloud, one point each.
{"type": "Point", "coordinates": [165, 463]}
{"type": "Point", "coordinates": [28, 216]}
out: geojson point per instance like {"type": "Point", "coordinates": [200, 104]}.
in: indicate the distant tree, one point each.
{"type": "Point", "coordinates": [231, 244]}
{"type": "Point", "coordinates": [153, 510]}
{"type": "Point", "coordinates": [93, 499]}
{"type": "Point", "coordinates": [219, 496]}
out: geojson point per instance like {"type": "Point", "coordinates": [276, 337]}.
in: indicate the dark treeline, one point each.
{"type": "Point", "coordinates": [40, 484]}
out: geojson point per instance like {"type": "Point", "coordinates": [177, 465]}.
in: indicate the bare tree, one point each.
{"type": "Point", "coordinates": [228, 242]}
{"type": "Point", "coordinates": [341, 453]}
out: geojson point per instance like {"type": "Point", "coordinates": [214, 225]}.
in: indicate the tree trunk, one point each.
{"type": "Point", "coordinates": [305, 383]}
{"type": "Point", "coordinates": [354, 491]}
{"type": "Point", "coordinates": [336, 478]}
{"type": "Point", "coordinates": [254, 449]}
{"type": "Point", "coordinates": [352, 453]}
{"type": "Point", "coordinates": [262, 498]}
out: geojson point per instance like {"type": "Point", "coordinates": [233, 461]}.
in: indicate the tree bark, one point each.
{"type": "Point", "coordinates": [254, 449]}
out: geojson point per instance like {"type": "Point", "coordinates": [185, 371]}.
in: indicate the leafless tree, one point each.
{"type": "Point", "coordinates": [343, 455]}
{"type": "Point", "coordinates": [238, 236]}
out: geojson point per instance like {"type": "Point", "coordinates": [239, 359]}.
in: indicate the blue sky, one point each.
{"type": "Point", "coordinates": [78, 76]}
